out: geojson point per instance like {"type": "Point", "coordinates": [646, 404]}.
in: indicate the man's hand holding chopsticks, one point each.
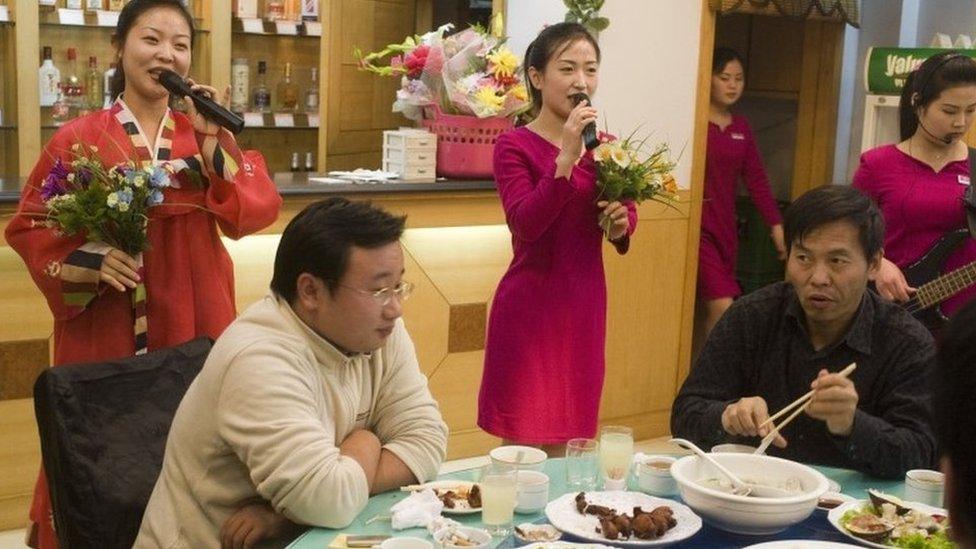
{"type": "Point", "coordinates": [834, 401]}
{"type": "Point", "coordinates": [744, 417]}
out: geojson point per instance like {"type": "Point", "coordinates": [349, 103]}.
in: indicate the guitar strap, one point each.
{"type": "Point", "coordinates": [969, 197]}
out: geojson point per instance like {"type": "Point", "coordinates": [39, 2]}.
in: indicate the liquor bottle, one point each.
{"type": "Point", "coordinates": [73, 86]}
{"type": "Point", "coordinates": [312, 94]}
{"type": "Point", "coordinates": [73, 4]}
{"type": "Point", "coordinates": [310, 10]}
{"type": "Point", "coordinates": [240, 85]}
{"type": "Point", "coordinates": [50, 78]}
{"type": "Point", "coordinates": [294, 162]}
{"type": "Point", "coordinates": [246, 9]}
{"type": "Point", "coordinates": [261, 94]}
{"type": "Point", "coordinates": [92, 5]}
{"type": "Point", "coordinates": [116, 5]}
{"type": "Point", "coordinates": [107, 87]}
{"type": "Point", "coordinates": [309, 162]}
{"type": "Point", "coordinates": [287, 92]}
{"type": "Point", "coordinates": [293, 10]}
{"type": "Point", "coordinates": [274, 10]}
{"type": "Point", "coordinates": [93, 85]}
{"type": "Point", "coordinates": [60, 110]}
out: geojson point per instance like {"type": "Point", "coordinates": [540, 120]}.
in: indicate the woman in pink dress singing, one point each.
{"type": "Point", "coordinates": [732, 155]}
{"type": "Point", "coordinates": [919, 183]}
{"type": "Point", "coordinates": [544, 355]}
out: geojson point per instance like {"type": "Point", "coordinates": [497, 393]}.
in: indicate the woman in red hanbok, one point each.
{"type": "Point", "coordinates": [187, 273]}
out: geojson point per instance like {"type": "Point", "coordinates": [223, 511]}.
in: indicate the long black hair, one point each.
{"type": "Point", "coordinates": [127, 18]}
{"type": "Point", "coordinates": [551, 40]}
{"type": "Point", "coordinates": [926, 83]}
{"type": "Point", "coordinates": [722, 56]}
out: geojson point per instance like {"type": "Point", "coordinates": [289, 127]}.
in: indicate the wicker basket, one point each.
{"type": "Point", "coordinates": [465, 143]}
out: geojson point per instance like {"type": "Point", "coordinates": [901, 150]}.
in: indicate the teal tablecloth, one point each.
{"type": "Point", "coordinates": [852, 483]}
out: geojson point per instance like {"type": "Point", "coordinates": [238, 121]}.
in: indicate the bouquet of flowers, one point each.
{"type": "Point", "coordinates": [626, 171]}
{"type": "Point", "coordinates": [468, 73]}
{"type": "Point", "coordinates": [108, 204]}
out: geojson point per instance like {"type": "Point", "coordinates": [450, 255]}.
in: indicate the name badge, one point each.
{"type": "Point", "coordinates": [963, 179]}
{"type": "Point", "coordinates": [738, 136]}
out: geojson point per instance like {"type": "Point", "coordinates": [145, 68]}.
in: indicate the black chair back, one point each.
{"type": "Point", "coordinates": [103, 429]}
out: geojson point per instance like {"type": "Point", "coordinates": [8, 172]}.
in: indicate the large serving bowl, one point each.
{"type": "Point", "coordinates": [747, 514]}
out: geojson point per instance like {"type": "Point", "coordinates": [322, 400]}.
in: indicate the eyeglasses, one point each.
{"type": "Point", "coordinates": [383, 296]}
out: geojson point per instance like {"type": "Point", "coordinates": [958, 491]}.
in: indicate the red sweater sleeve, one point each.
{"type": "Point", "coordinates": [65, 269]}
{"type": "Point", "coordinates": [530, 205]}
{"type": "Point", "coordinates": [242, 196]}
{"type": "Point", "coordinates": [757, 182]}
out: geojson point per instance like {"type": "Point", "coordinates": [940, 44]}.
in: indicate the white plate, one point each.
{"type": "Point", "coordinates": [562, 513]}
{"type": "Point", "coordinates": [449, 484]}
{"type": "Point", "coordinates": [564, 545]}
{"type": "Point", "coordinates": [837, 512]}
{"type": "Point", "coordinates": [800, 544]}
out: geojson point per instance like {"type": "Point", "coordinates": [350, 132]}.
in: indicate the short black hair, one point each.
{"type": "Point", "coordinates": [320, 238]}
{"type": "Point", "coordinates": [722, 56]}
{"type": "Point", "coordinates": [955, 413]}
{"type": "Point", "coordinates": [830, 203]}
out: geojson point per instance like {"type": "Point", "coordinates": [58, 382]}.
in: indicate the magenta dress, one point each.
{"type": "Point", "coordinates": [919, 206]}
{"type": "Point", "coordinates": [544, 354]}
{"type": "Point", "coordinates": [732, 154]}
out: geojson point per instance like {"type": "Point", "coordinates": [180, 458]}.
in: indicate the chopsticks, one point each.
{"type": "Point", "coordinates": [803, 399]}
{"type": "Point", "coordinates": [800, 404]}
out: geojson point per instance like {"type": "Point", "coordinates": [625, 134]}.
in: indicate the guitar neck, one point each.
{"type": "Point", "coordinates": [946, 286]}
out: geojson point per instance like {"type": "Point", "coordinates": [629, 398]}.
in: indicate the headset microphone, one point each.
{"type": "Point", "coordinates": [947, 139]}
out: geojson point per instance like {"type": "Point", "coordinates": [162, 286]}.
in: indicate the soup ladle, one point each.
{"type": "Point", "coordinates": [739, 486]}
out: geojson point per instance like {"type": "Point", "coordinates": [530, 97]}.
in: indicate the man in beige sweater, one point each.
{"type": "Point", "coordinates": [309, 402]}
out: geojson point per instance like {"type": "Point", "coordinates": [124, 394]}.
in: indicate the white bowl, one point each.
{"type": "Point", "coordinates": [729, 448]}
{"type": "Point", "coordinates": [479, 537]}
{"type": "Point", "coordinates": [654, 476]}
{"type": "Point", "coordinates": [744, 514]}
{"type": "Point", "coordinates": [531, 458]}
{"type": "Point", "coordinates": [406, 542]}
{"type": "Point", "coordinates": [532, 492]}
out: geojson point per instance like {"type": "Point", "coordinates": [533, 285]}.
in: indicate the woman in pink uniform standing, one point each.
{"type": "Point", "coordinates": [544, 354]}
{"type": "Point", "coordinates": [919, 183]}
{"type": "Point", "coordinates": [731, 155]}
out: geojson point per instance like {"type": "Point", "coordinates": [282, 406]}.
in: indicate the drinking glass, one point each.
{"type": "Point", "coordinates": [582, 464]}
{"type": "Point", "coordinates": [498, 490]}
{"type": "Point", "coordinates": [616, 453]}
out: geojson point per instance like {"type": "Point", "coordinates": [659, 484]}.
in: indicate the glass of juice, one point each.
{"type": "Point", "coordinates": [616, 452]}
{"type": "Point", "coordinates": [498, 487]}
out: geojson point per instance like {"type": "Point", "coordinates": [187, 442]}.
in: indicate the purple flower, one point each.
{"type": "Point", "coordinates": [56, 182]}
{"type": "Point", "coordinates": [83, 177]}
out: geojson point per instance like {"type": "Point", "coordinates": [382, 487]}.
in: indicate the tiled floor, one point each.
{"type": "Point", "coordinates": [14, 539]}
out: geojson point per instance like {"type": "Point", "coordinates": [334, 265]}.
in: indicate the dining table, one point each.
{"type": "Point", "coordinates": [374, 518]}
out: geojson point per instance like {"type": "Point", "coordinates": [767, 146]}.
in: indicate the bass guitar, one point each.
{"type": "Point", "coordinates": [935, 287]}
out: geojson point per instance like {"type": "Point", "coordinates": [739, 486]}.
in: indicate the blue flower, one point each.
{"type": "Point", "coordinates": [159, 178]}
{"type": "Point", "coordinates": [155, 197]}
{"type": "Point", "coordinates": [125, 196]}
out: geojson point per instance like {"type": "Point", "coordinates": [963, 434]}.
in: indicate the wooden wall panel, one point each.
{"type": "Point", "coordinates": [20, 460]}
{"type": "Point", "coordinates": [776, 44]}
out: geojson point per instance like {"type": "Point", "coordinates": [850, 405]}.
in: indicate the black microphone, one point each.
{"type": "Point", "coordinates": [589, 131]}
{"type": "Point", "coordinates": [947, 139]}
{"type": "Point", "coordinates": [175, 84]}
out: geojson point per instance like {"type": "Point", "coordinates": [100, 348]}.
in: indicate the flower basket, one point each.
{"type": "Point", "coordinates": [465, 144]}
